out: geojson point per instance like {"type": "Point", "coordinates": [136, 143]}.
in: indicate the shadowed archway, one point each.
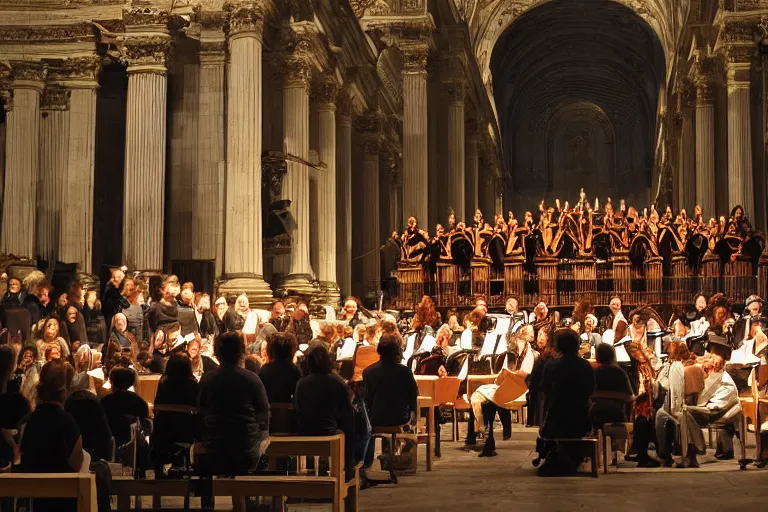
{"type": "Point", "coordinates": [576, 86]}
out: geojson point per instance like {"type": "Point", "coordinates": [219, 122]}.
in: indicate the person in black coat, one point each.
{"type": "Point", "coordinates": [390, 389]}
{"type": "Point", "coordinates": [91, 419]}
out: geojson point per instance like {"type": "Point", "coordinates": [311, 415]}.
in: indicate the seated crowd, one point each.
{"type": "Point", "coordinates": [70, 394]}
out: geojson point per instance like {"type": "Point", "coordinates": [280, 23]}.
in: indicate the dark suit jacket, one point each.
{"type": "Point", "coordinates": [390, 393]}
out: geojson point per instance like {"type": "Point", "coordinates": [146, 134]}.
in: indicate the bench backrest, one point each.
{"type": "Point", "coordinates": [310, 446]}
{"type": "Point", "coordinates": [80, 486]}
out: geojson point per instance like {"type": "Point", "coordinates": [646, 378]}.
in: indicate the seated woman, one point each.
{"type": "Point", "coordinates": [52, 442]}
{"type": "Point", "coordinates": [14, 408]}
{"type": "Point", "coordinates": [121, 339]}
{"type": "Point", "coordinates": [486, 402]}
{"type": "Point", "coordinates": [322, 403]}
{"type": "Point", "coordinates": [280, 376]}
{"type": "Point", "coordinates": [159, 351]}
{"type": "Point", "coordinates": [28, 370]}
{"type": "Point", "coordinates": [124, 407]}
{"type": "Point", "coordinates": [610, 378]}
{"type": "Point", "coordinates": [51, 338]}
{"type": "Point", "coordinates": [177, 386]}
{"type": "Point", "coordinates": [84, 361]}
{"type": "Point", "coordinates": [86, 409]}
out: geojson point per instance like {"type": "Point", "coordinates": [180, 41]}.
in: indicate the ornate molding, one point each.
{"type": "Point", "coordinates": [274, 168]}
{"type": "Point", "coordinates": [212, 51]}
{"type": "Point", "coordinates": [143, 16]}
{"type": "Point", "coordinates": [345, 106]}
{"type": "Point", "coordinates": [415, 55]}
{"type": "Point", "coordinates": [457, 89]}
{"type": "Point", "coordinates": [326, 90]}
{"type": "Point", "coordinates": [75, 69]}
{"type": "Point", "coordinates": [246, 17]}
{"type": "Point", "coordinates": [28, 71]}
{"type": "Point", "coordinates": [53, 34]}
{"type": "Point", "coordinates": [359, 7]}
{"type": "Point", "coordinates": [55, 97]}
{"type": "Point", "coordinates": [147, 52]}
{"type": "Point", "coordinates": [210, 20]}
{"type": "Point", "coordinates": [302, 52]}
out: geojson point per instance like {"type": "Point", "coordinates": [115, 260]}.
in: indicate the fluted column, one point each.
{"type": "Point", "coordinates": [145, 142]}
{"type": "Point", "coordinates": [369, 202]}
{"type": "Point", "coordinates": [415, 134]}
{"type": "Point", "coordinates": [54, 153]}
{"type": "Point", "coordinates": [243, 261]}
{"type": "Point", "coordinates": [705, 149]}
{"type": "Point", "coordinates": [471, 171]}
{"type": "Point", "coordinates": [79, 76]}
{"type": "Point", "coordinates": [740, 180]}
{"type": "Point", "coordinates": [326, 92]}
{"type": "Point", "coordinates": [455, 185]}
{"type": "Point", "coordinates": [296, 182]}
{"type": "Point", "coordinates": [22, 161]}
{"type": "Point", "coordinates": [344, 195]}
{"type": "Point", "coordinates": [208, 182]}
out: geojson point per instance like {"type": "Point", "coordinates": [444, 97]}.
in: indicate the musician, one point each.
{"type": "Point", "coordinates": [541, 317]}
{"type": "Point", "coordinates": [511, 307]}
{"type": "Point", "coordinates": [618, 322]}
{"type": "Point", "coordinates": [589, 338]}
{"type": "Point", "coordinates": [700, 325]}
{"type": "Point", "coordinates": [350, 313]}
{"type": "Point", "coordinates": [166, 309]}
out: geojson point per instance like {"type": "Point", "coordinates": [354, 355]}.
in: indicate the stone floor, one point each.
{"type": "Point", "coordinates": [462, 482]}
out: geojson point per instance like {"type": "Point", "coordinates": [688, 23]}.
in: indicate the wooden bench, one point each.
{"type": "Point", "coordinates": [335, 486]}
{"type": "Point", "coordinates": [126, 486]}
{"type": "Point", "coordinates": [79, 486]}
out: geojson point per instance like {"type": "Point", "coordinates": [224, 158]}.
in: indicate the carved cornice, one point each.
{"type": "Point", "coordinates": [55, 97]}
{"type": "Point", "coordinates": [345, 107]}
{"type": "Point", "coordinates": [147, 53]}
{"type": "Point", "coordinates": [212, 51]}
{"type": "Point", "coordinates": [302, 53]}
{"type": "Point", "coordinates": [359, 7]}
{"type": "Point", "coordinates": [144, 16]}
{"type": "Point", "coordinates": [51, 34]}
{"type": "Point", "coordinates": [707, 71]}
{"type": "Point", "coordinates": [210, 20]}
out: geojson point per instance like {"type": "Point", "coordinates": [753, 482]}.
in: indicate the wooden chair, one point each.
{"type": "Point", "coordinates": [79, 486]}
{"type": "Point", "coordinates": [180, 409]}
{"type": "Point", "coordinates": [591, 443]}
{"type": "Point", "coordinates": [391, 433]}
{"type": "Point", "coordinates": [614, 431]}
{"type": "Point", "coordinates": [428, 436]}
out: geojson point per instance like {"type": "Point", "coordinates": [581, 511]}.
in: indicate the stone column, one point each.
{"type": "Point", "coordinates": [145, 142]}
{"type": "Point", "coordinates": [455, 185]}
{"type": "Point", "coordinates": [705, 149]}
{"type": "Point", "coordinates": [415, 138]}
{"type": "Point", "coordinates": [54, 153]}
{"type": "Point", "coordinates": [327, 90]}
{"type": "Point", "coordinates": [79, 76]}
{"type": "Point", "coordinates": [22, 161]}
{"type": "Point", "coordinates": [243, 260]}
{"type": "Point", "coordinates": [296, 182]}
{"type": "Point", "coordinates": [740, 180]}
{"type": "Point", "coordinates": [471, 171]}
{"type": "Point", "coordinates": [344, 194]}
{"type": "Point", "coordinates": [208, 183]}
{"type": "Point", "coordinates": [370, 221]}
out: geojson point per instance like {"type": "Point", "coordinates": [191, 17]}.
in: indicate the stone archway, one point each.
{"type": "Point", "coordinates": [577, 95]}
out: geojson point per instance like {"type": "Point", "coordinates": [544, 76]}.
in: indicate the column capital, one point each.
{"type": "Point", "coordinates": [28, 74]}
{"type": "Point", "coordinates": [706, 72]}
{"type": "Point", "coordinates": [76, 73]}
{"type": "Point", "coordinates": [456, 90]}
{"type": "Point", "coordinates": [247, 18]}
{"type": "Point", "coordinates": [147, 54]}
{"type": "Point", "coordinates": [213, 46]}
{"type": "Point", "coordinates": [212, 52]}
{"type": "Point", "coordinates": [145, 16]}
{"type": "Point", "coordinates": [302, 52]}
{"type": "Point", "coordinates": [737, 41]}
{"type": "Point", "coordinates": [345, 106]}
{"type": "Point", "coordinates": [370, 126]}
{"type": "Point", "coordinates": [326, 90]}
{"type": "Point", "coordinates": [415, 54]}
{"type": "Point", "coordinates": [55, 97]}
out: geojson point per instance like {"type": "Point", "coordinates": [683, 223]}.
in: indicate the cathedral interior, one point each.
{"type": "Point", "coordinates": [273, 145]}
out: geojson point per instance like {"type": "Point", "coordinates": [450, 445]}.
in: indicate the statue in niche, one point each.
{"type": "Point", "coordinates": [580, 154]}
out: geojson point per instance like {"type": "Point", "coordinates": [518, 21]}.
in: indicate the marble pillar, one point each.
{"type": "Point", "coordinates": [344, 198]}
{"type": "Point", "coordinates": [705, 150]}
{"type": "Point", "coordinates": [54, 159]}
{"type": "Point", "coordinates": [371, 231]}
{"type": "Point", "coordinates": [208, 183]}
{"type": "Point", "coordinates": [22, 161]}
{"type": "Point", "coordinates": [415, 137]}
{"type": "Point", "coordinates": [740, 172]}
{"type": "Point", "coordinates": [145, 157]}
{"type": "Point", "coordinates": [454, 182]}
{"type": "Point", "coordinates": [326, 185]}
{"type": "Point", "coordinates": [243, 260]}
{"type": "Point", "coordinates": [471, 171]}
{"type": "Point", "coordinates": [296, 182]}
{"type": "Point", "coordinates": [687, 163]}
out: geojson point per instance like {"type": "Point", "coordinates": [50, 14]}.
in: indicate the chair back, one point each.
{"type": "Point", "coordinates": [446, 390]}
{"type": "Point", "coordinates": [365, 356]}
{"type": "Point", "coordinates": [17, 320]}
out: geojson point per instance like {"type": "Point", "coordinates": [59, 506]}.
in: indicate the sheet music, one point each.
{"type": "Point", "coordinates": [408, 352]}
{"type": "Point", "coordinates": [490, 342]}
{"type": "Point", "coordinates": [622, 356]}
{"type": "Point", "coordinates": [744, 355]}
{"type": "Point", "coordinates": [251, 323]}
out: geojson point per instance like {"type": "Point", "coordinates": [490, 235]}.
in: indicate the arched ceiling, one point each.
{"type": "Point", "coordinates": [598, 52]}
{"type": "Point", "coordinates": [489, 19]}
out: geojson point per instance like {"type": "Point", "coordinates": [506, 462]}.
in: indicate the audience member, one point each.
{"type": "Point", "coordinates": [280, 375]}
{"type": "Point", "coordinates": [14, 408]}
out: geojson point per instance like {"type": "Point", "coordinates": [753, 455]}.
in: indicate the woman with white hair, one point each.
{"type": "Point", "coordinates": [84, 360]}
{"type": "Point", "coordinates": [241, 318]}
